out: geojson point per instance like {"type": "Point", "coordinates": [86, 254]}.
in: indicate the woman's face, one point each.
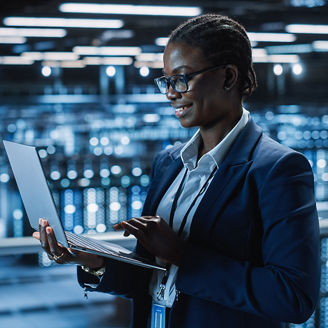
{"type": "Point", "coordinates": [204, 104]}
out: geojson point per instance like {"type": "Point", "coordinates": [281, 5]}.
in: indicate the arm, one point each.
{"type": "Point", "coordinates": [286, 287]}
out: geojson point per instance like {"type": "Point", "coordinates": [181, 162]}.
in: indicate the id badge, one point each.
{"type": "Point", "coordinates": [158, 316]}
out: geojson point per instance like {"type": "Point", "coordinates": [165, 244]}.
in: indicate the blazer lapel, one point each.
{"type": "Point", "coordinates": [229, 174]}
{"type": "Point", "coordinates": [170, 168]}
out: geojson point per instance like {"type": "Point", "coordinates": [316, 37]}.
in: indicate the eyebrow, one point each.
{"type": "Point", "coordinates": [177, 69]}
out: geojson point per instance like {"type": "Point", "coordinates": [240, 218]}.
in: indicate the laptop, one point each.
{"type": "Point", "coordinates": [38, 202]}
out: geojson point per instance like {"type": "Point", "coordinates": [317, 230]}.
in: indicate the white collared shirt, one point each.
{"type": "Point", "coordinates": [197, 174]}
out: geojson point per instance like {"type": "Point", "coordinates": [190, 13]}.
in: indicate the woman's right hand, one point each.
{"type": "Point", "coordinates": [61, 254]}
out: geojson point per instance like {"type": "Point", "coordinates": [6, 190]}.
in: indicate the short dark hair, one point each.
{"type": "Point", "coordinates": [223, 41]}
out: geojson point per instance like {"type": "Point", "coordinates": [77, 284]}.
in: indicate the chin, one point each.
{"type": "Point", "coordinates": [187, 124]}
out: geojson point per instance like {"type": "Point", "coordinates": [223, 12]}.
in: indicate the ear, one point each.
{"type": "Point", "coordinates": [231, 77]}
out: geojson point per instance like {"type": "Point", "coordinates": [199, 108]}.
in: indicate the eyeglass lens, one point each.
{"type": "Point", "coordinates": [178, 83]}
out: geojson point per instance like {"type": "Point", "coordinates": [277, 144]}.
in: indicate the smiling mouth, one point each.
{"type": "Point", "coordinates": [182, 111]}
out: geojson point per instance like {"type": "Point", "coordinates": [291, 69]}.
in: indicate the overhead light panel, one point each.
{"type": "Point", "coordinates": [259, 52]}
{"type": "Point", "coordinates": [276, 59]}
{"type": "Point", "coordinates": [320, 45]}
{"type": "Point", "coordinates": [12, 39]}
{"type": "Point", "coordinates": [33, 32]}
{"type": "Point", "coordinates": [271, 37]}
{"type": "Point", "coordinates": [72, 64]}
{"type": "Point", "coordinates": [129, 9]}
{"type": "Point", "coordinates": [119, 61]}
{"type": "Point", "coordinates": [15, 60]}
{"type": "Point", "coordinates": [290, 48]}
{"type": "Point", "coordinates": [60, 56]}
{"type": "Point", "coordinates": [64, 64]}
{"type": "Point", "coordinates": [54, 55]}
{"type": "Point", "coordinates": [161, 41]}
{"type": "Point", "coordinates": [307, 28]}
{"type": "Point", "coordinates": [148, 56]}
{"type": "Point", "coordinates": [154, 64]}
{"type": "Point", "coordinates": [107, 51]}
{"type": "Point", "coordinates": [63, 22]}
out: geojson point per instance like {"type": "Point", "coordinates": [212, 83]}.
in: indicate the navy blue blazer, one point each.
{"type": "Point", "coordinates": [252, 258]}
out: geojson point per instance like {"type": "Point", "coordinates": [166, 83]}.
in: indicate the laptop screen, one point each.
{"type": "Point", "coordinates": [33, 187]}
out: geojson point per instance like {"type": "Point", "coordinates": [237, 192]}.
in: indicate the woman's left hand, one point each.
{"type": "Point", "coordinates": [156, 236]}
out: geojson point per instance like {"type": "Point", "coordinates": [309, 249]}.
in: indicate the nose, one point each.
{"type": "Point", "coordinates": [171, 94]}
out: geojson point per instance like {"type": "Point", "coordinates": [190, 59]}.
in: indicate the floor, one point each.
{"type": "Point", "coordinates": [31, 296]}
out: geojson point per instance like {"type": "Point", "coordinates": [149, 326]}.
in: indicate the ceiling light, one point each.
{"type": "Point", "coordinates": [161, 41]}
{"type": "Point", "coordinates": [63, 22]}
{"type": "Point", "coordinates": [55, 55]}
{"type": "Point", "coordinates": [107, 51]}
{"type": "Point", "coordinates": [297, 69]}
{"type": "Point", "coordinates": [271, 37]}
{"type": "Point", "coordinates": [60, 56]}
{"type": "Point", "coordinates": [290, 48]}
{"type": "Point", "coordinates": [72, 64]}
{"type": "Point", "coordinates": [307, 28]}
{"type": "Point", "coordinates": [278, 69]}
{"type": "Point", "coordinates": [276, 59]}
{"type": "Point", "coordinates": [15, 60]}
{"type": "Point", "coordinates": [127, 9]}
{"type": "Point", "coordinates": [320, 45]}
{"type": "Point", "coordinates": [33, 32]}
{"type": "Point", "coordinates": [12, 39]}
{"type": "Point", "coordinates": [259, 52]}
{"type": "Point", "coordinates": [108, 61]}
{"type": "Point", "coordinates": [110, 71]}
{"type": "Point", "coordinates": [154, 64]}
{"type": "Point", "coordinates": [150, 56]}
{"type": "Point", "coordinates": [46, 71]}
{"type": "Point", "coordinates": [144, 71]}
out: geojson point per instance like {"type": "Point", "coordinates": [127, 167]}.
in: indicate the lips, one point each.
{"type": "Point", "coordinates": [182, 110]}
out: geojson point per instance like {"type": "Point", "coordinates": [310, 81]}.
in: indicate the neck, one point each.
{"type": "Point", "coordinates": [213, 135]}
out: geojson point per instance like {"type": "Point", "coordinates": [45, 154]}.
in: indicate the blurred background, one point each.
{"type": "Point", "coordinates": [76, 80]}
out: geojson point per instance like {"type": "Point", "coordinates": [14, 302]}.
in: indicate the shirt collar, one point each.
{"type": "Point", "coordinates": [189, 152]}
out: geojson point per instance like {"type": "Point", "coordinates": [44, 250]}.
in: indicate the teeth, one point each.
{"type": "Point", "coordinates": [181, 108]}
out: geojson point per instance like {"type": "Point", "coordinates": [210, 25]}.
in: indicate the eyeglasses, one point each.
{"type": "Point", "coordinates": [179, 82]}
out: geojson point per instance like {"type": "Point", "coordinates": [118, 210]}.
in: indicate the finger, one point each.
{"type": "Point", "coordinates": [147, 217]}
{"type": "Point", "coordinates": [118, 226]}
{"type": "Point", "coordinates": [43, 235]}
{"type": "Point", "coordinates": [137, 222]}
{"type": "Point", "coordinates": [36, 235]}
{"type": "Point", "coordinates": [55, 249]}
{"type": "Point", "coordinates": [139, 234]}
{"type": "Point", "coordinates": [148, 223]}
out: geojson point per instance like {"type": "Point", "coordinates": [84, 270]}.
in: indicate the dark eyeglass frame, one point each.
{"type": "Point", "coordinates": [185, 79]}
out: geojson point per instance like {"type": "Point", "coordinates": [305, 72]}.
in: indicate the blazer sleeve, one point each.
{"type": "Point", "coordinates": [286, 287]}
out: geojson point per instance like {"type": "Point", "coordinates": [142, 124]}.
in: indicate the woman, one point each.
{"type": "Point", "coordinates": [231, 213]}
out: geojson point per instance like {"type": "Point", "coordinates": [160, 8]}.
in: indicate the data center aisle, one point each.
{"type": "Point", "coordinates": [36, 297]}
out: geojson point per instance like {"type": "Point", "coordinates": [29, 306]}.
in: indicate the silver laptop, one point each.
{"type": "Point", "coordinates": [38, 202]}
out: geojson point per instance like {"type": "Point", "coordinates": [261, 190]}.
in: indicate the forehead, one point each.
{"type": "Point", "coordinates": [180, 55]}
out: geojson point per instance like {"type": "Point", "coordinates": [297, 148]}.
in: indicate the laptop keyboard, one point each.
{"type": "Point", "coordinates": [88, 243]}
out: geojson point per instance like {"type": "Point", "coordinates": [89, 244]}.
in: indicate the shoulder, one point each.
{"type": "Point", "coordinates": [268, 151]}
{"type": "Point", "coordinates": [271, 158]}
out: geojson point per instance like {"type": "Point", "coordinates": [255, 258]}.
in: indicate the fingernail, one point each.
{"type": "Point", "coordinates": [48, 230]}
